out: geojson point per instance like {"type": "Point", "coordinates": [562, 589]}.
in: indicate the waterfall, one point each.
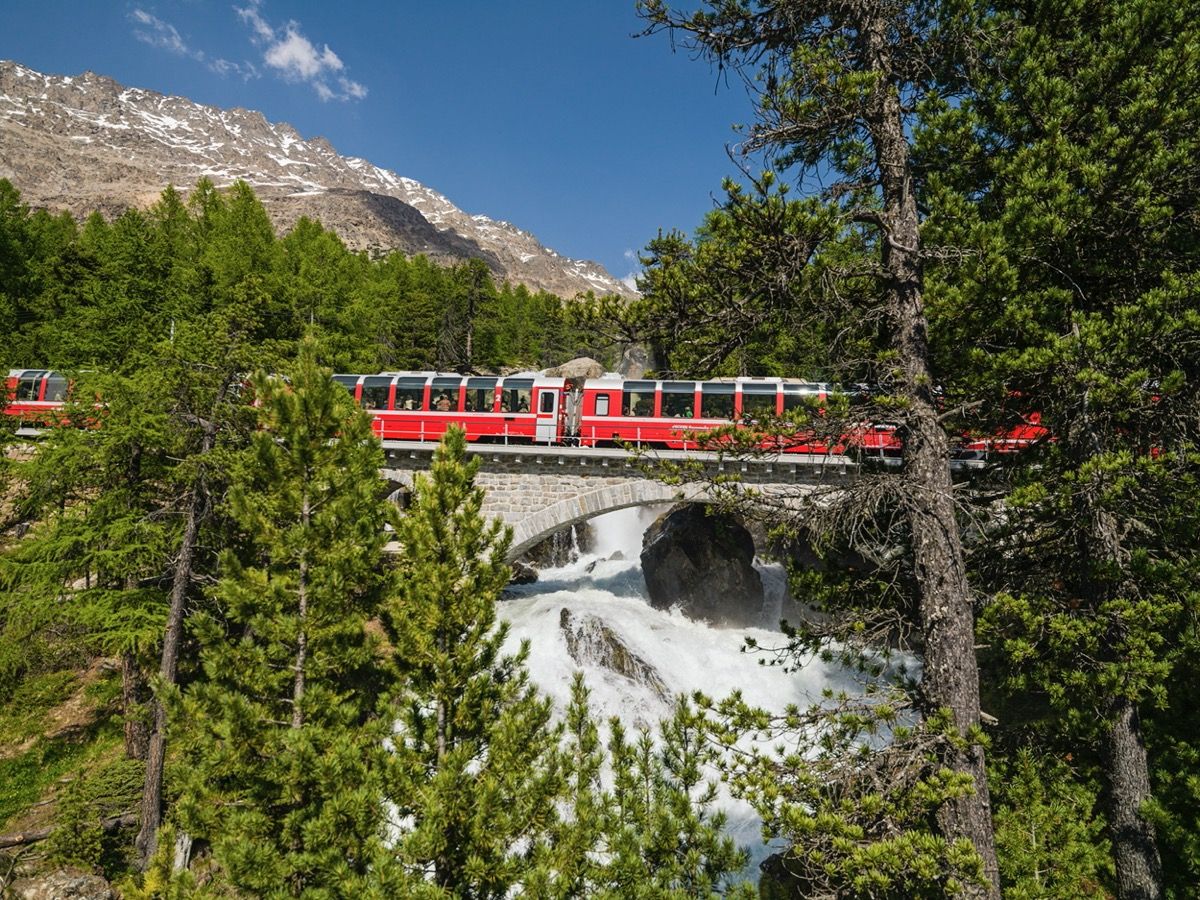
{"type": "Point", "coordinates": [604, 594]}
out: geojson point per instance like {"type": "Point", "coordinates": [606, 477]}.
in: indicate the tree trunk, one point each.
{"type": "Point", "coordinates": [135, 692]}
{"type": "Point", "coordinates": [950, 678]}
{"type": "Point", "coordinates": [151, 808]}
{"type": "Point", "coordinates": [1135, 849]}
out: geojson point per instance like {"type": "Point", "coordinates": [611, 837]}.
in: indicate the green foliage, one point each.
{"type": "Point", "coordinates": [1050, 843]}
{"type": "Point", "coordinates": [281, 735]}
{"type": "Point", "coordinates": [473, 777]}
{"type": "Point", "coordinates": [662, 837]}
{"type": "Point", "coordinates": [853, 790]}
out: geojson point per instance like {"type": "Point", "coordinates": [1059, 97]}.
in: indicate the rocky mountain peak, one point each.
{"type": "Point", "coordinates": [84, 143]}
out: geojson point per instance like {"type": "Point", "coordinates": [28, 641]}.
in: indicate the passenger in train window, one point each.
{"type": "Point", "coordinates": [443, 403]}
{"type": "Point", "coordinates": [523, 405]}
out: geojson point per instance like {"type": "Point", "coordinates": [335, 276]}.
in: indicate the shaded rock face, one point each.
{"type": "Point", "coordinates": [591, 641]}
{"type": "Point", "coordinates": [522, 573]}
{"type": "Point", "coordinates": [703, 564]}
{"type": "Point", "coordinates": [65, 884]}
{"type": "Point", "coordinates": [560, 549]}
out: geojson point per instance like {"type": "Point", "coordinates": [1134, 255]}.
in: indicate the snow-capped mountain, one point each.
{"type": "Point", "coordinates": [87, 143]}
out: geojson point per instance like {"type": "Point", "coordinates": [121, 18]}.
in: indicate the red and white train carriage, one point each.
{"type": "Point", "coordinates": [536, 409]}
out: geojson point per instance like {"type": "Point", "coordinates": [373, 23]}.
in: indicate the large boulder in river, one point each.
{"type": "Point", "coordinates": [703, 564]}
{"type": "Point", "coordinates": [581, 367]}
{"type": "Point", "coordinates": [591, 642]}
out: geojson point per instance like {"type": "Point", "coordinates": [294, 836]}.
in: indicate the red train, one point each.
{"type": "Point", "coordinates": [535, 409]}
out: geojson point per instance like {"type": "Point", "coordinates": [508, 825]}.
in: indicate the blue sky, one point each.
{"type": "Point", "coordinates": [545, 113]}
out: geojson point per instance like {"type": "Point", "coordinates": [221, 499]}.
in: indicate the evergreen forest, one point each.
{"type": "Point", "coordinates": [215, 682]}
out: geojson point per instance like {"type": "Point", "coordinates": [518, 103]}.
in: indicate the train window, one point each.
{"type": "Point", "coordinates": [716, 401]}
{"type": "Point", "coordinates": [27, 388]}
{"type": "Point", "coordinates": [349, 382]}
{"type": "Point", "coordinates": [602, 404]}
{"type": "Point", "coordinates": [481, 394]}
{"type": "Point", "coordinates": [516, 395]}
{"type": "Point", "coordinates": [547, 402]}
{"type": "Point", "coordinates": [443, 394]}
{"type": "Point", "coordinates": [758, 400]}
{"type": "Point", "coordinates": [410, 393]}
{"type": "Point", "coordinates": [679, 399]}
{"type": "Point", "coordinates": [56, 389]}
{"type": "Point", "coordinates": [638, 398]}
{"type": "Point", "coordinates": [375, 392]}
{"type": "Point", "coordinates": [800, 395]}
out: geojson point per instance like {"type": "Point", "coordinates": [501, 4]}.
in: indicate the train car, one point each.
{"type": "Point", "coordinates": [610, 411]}
{"type": "Point", "coordinates": [674, 413]}
{"type": "Point", "coordinates": [35, 396]}
{"type": "Point", "coordinates": [420, 406]}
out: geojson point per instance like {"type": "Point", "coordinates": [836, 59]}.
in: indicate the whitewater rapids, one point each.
{"type": "Point", "coordinates": [687, 656]}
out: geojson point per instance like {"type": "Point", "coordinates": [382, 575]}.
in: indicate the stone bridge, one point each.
{"type": "Point", "coordinates": [540, 490]}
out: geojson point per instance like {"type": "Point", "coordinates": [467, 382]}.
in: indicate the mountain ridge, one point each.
{"type": "Point", "coordinates": [86, 142]}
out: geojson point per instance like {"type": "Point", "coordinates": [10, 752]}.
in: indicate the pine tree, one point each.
{"type": "Point", "coordinates": [282, 739]}
{"type": "Point", "coordinates": [662, 837]}
{"type": "Point", "coordinates": [837, 89]}
{"type": "Point", "coordinates": [473, 777]}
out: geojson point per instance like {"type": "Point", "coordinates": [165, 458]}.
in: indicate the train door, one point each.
{"type": "Point", "coordinates": [547, 416]}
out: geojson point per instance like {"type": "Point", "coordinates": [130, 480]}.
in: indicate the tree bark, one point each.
{"type": "Point", "coordinates": [135, 692]}
{"type": "Point", "coordinates": [1135, 848]}
{"type": "Point", "coordinates": [151, 808]}
{"type": "Point", "coordinates": [950, 678]}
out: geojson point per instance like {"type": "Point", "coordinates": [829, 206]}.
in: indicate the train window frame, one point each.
{"type": "Point", "coordinates": [754, 391]}
{"type": "Point", "coordinates": [410, 389]}
{"type": "Point", "coordinates": [634, 397]}
{"type": "Point", "coordinates": [515, 392]}
{"type": "Point", "coordinates": [800, 396]}
{"type": "Point", "coordinates": [602, 399]}
{"type": "Point", "coordinates": [546, 403]}
{"type": "Point", "coordinates": [672, 393]}
{"type": "Point", "coordinates": [481, 395]}
{"type": "Point", "coordinates": [447, 388]}
{"type": "Point", "coordinates": [376, 392]}
{"type": "Point", "coordinates": [713, 392]}
{"type": "Point", "coordinates": [349, 382]}
{"type": "Point", "coordinates": [28, 388]}
{"type": "Point", "coordinates": [56, 388]}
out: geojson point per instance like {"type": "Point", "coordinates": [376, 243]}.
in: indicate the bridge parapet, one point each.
{"type": "Point", "coordinates": [539, 490]}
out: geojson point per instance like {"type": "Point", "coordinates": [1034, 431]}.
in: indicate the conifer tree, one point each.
{"type": "Point", "coordinates": [473, 778]}
{"type": "Point", "coordinates": [661, 836]}
{"type": "Point", "coordinates": [281, 736]}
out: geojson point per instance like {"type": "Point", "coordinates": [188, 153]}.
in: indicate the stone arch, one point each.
{"type": "Point", "coordinates": [532, 529]}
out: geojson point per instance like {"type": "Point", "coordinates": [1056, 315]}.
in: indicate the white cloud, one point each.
{"type": "Point", "coordinates": [295, 58]}
{"type": "Point", "coordinates": [149, 29]}
{"type": "Point", "coordinates": [154, 31]}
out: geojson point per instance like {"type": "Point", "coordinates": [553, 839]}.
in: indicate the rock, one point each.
{"type": "Point", "coordinates": [704, 564]}
{"type": "Point", "coordinates": [777, 882]}
{"type": "Point", "coordinates": [581, 367]}
{"type": "Point", "coordinates": [634, 361]}
{"type": "Point", "coordinates": [522, 573]}
{"type": "Point", "coordinates": [591, 641]}
{"type": "Point", "coordinates": [63, 884]}
{"type": "Point", "coordinates": [615, 556]}
{"type": "Point", "coordinates": [561, 548]}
